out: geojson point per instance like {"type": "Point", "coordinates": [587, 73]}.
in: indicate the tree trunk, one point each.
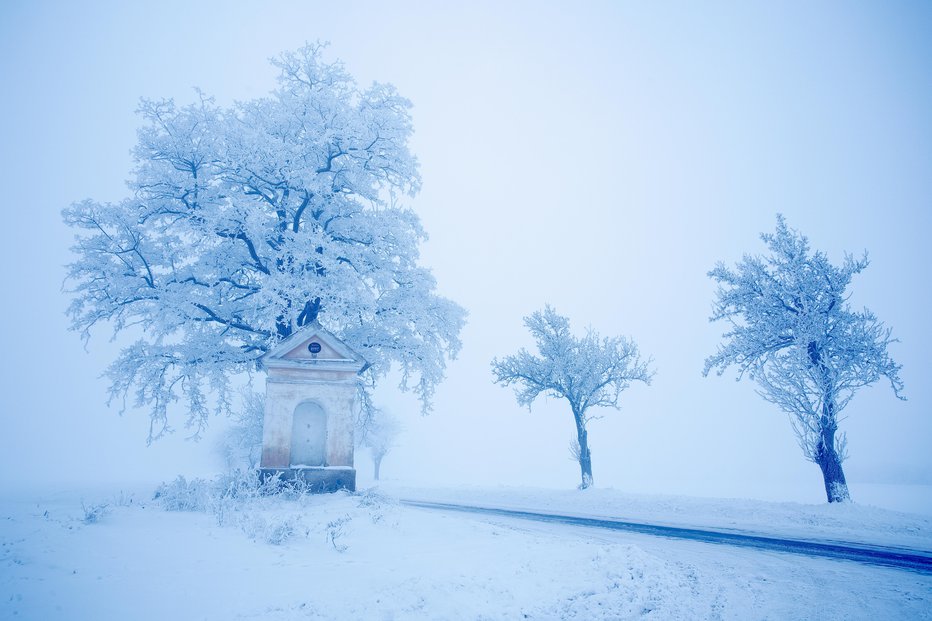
{"type": "Point", "coordinates": [836, 487]}
{"type": "Point", "coordinates": [310, 312]}
{"type": "Point", "coordinates": [377, 460]}
{"type": "Point", "coordinates": [585, 457]}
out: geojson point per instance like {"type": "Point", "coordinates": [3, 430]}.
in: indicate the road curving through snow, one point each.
{"type": "Point", "coordinates": [919, 561]}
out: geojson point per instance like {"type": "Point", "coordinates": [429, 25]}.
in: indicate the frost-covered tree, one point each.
{"type": "Point", "coordinates": [241, 444]}
{"type": "Point", "coordinates": [793, 332]}
{"type": "Point", "coordinates": [245, 223]}
{"type": "Point", "coordinates": [588, 372]}
{"type": "Point", "coordinates": [381, 436]}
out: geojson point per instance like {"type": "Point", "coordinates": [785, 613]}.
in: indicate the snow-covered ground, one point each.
{"type": "Point", "coordinates": [364, 556]}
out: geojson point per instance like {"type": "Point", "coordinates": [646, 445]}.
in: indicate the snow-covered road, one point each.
{"type": "Point", "coordinates": [366, 556]}
{"type": "Point", "coordinates": [744, 583]}
{"type": "Point", "coordinates": [901, 558]}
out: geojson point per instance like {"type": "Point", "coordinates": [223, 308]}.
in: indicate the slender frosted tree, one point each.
{"type": "Point", "coordinates": [245, 223]}
{"type": "Point", "coordinates": [588, 372]}
{"type": "Point", "coordinates": [241, 442]}
{"type": "Point", "coordinates": [792, 331]}
{"type": "Point", "coordinates": [381, 436]}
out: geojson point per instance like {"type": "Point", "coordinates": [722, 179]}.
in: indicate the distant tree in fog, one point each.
{"type": "Point", "coordinates": [241, 443]}
{"type": "Point", "coordinates": [793, 333]}
{"type": "Point", "coordinates": [380, 434]}
{"type": "Point", "coordinates": [588, 372]}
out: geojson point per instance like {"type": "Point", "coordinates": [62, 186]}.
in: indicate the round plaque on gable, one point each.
{"type": "Point", "coordinates": [314, 347]}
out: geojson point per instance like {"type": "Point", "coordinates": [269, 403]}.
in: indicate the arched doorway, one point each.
{"type": "Point", "coordinates": [309, 435]}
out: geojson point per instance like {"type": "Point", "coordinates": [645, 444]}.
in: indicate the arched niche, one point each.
{"type": "Point", "coordinates": [309, 435]}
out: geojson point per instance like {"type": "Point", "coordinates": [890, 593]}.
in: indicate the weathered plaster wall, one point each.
{"type": "Point", "coordinates": [284, 392]}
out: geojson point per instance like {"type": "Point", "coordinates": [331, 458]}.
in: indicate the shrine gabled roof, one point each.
{"type": "Point", "coordinates": [313, 347]}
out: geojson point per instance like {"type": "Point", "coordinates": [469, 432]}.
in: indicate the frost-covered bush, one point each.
{"type": "Point", "coordinates": [216, 494]}
{"type": "Point", "coordinates": [277, 532]}
{"type": "Point", "coordinates": [239, 484]}
{"type": "Point", "coordinates": [376, 503]}
{"type": "Point", "coordinates": [335, 531]}
{"type": "Point", "coordinates": [183, 495]}
{"type": "Point", "coordinates": [273, 529]}
{"type": "Point", "coordinates": [288, 489]}
{"type": "Point", "coordinates": [94, 513]}
{"type": "Point", "coordinates": [275, 511]}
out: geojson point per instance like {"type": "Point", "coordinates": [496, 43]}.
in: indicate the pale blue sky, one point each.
{"type": "Point", "coordinates": [597, 156]}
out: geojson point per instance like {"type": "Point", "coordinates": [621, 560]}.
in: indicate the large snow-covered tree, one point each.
{"type": "Point", "coordinates": [245, 223]}
{"type": "Point", "coordinates": [793, 332]}
{"type": "Point", "coordinates": [588, 372]}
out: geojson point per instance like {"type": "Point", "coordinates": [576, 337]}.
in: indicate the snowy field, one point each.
{"type": "Point", "coordinates": [365, 556]}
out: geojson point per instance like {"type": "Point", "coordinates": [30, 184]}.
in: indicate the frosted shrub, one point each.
{"type": "Point", "coordinates": [218, 494]}
{"type": "Point", "coordinates": [94, 513]}
{"type": "Point", "coordinates": [233, 489]}
{"type": "Point", "coordinates": [335, 531]}
{"type": "Point", "coordinates": [182, 495]}
{"type": "Point", "coordinates": [239, 484]}
{"type": "Point", "coordinates": [279, 531]}
{"type": "Point", "coordinates": [372, 498]}
{"type": "Point", "coordinates": [252, 524]}
{"type": "Point", "coordinates": [376, 503]}
{"type": "Point", "coordinates": [240, 499]}
{"type": "Point", "coordinates": [274, 529]}
{"type": "Point", "coordinates": [275, 485]}
{"type": "Point", "coordinates": [275, 511]}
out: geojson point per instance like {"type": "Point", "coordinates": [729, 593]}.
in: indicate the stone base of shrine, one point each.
{"type": "Point", "coordinates": [318, 480]}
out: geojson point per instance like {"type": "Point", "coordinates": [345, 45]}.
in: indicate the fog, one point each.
{"type": "Point", "coordinates": [599, 157]}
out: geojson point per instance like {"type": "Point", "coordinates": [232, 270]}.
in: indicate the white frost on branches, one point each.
{"type": "Point", "coordinates": [794, 333]}
{"type": "Point", "coordinates": [588, 372]}
{"type": "Point", "coordinates": [591, 371]}
{"type": "Point", "coordinates": [248, 222]}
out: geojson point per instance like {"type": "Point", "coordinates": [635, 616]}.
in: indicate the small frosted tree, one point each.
{"type": "Point", "coordinates": [381, 436]}
{"type": "Point", "coordinates": [244, 224]}
{"type": "Point", "coordinates": [588, 372]}
{"type": "Point", "coordinates": [241, 444]}
{"type": "Point", "coordinates": [793, 333]}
